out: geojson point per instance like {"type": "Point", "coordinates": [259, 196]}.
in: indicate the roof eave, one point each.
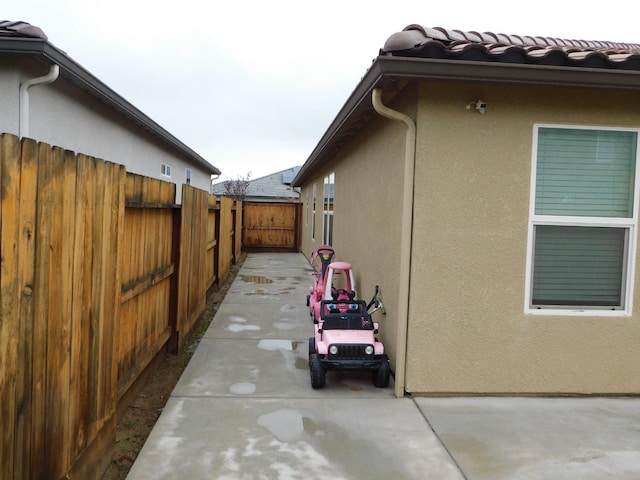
{"type": "Point", "coordinates": [388, 70]}
{"type": "Point", "coordinates": [85, 80]}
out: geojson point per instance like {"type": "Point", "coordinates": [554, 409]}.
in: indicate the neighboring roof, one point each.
{"type": "Point", "coordinates": [273, 186]}
{"type": "Point", "coordinates": [420, 53]}
{"type": "Point", "coordinates": [25, 39]}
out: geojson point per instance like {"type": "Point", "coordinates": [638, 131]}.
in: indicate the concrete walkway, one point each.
{"type": "Point", "coordinates": [244, 409]}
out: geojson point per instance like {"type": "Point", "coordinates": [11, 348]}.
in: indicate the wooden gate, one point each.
{"type": "Point", "coordinates": [271, 226]}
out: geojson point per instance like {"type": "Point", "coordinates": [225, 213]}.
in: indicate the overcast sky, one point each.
{"type": "Point", "coordinates": [252, 85]}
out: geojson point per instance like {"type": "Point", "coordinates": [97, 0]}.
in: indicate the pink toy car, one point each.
{"type": "Point", "coordinates": [321, 257]}
{"type": "Point", "coordinates": [331, 278]}
{"type": "Point", "coordinates": [345, 339]}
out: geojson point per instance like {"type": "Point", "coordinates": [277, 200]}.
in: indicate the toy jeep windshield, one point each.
{"type": "Point", "coordinates": [345, 339]}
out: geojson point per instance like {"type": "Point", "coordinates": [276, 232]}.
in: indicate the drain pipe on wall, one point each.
{"type": "Point", "coordinates": [24, 97]}
{"type": "Point", "coordinates": [405, 239]}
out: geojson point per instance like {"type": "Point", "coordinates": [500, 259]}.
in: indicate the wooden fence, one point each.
{"type": "Point", "coordinates": [271, 226]}
{"type": "Point", "coordinates": [100, 271]}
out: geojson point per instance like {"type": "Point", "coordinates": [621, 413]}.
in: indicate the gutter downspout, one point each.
{"type": "Point", "coordinates": [405, 238]}
{"type": "Point", "coordinates": [24, 97]}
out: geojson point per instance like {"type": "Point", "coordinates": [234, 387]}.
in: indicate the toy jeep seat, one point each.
{"type": "Point", "coordinates": [351, 315]}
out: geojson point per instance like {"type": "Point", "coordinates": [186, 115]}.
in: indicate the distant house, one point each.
{"type": "Point", "coordinates": [275, 187]}
{"type": "Point", "coordinates": [490, 184]}
{"type": "Point", "coordinates": [47, 96]}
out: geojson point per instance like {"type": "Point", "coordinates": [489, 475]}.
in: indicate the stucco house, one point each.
{"type": "Point", "coordinates": [489, 184]}
{"type": "Point", "coordinates": [47, 96]}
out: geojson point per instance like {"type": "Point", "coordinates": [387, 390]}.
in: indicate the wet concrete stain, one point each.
{"type": "Point", "coordinates": [242, 388]}
{"type": "Point", "coordinates": [279, 344]}
{"type": "Point", "coordinates": [284, 424]}
{"type": "Point", "coordinates": [301, 363]}
{"type": "Point", "coordinates": [285, 325]}
{"type": "Point", "coordinates": [464, 446]}
{"type": "Point", "coordinates": [275, 344]}
{"type": "Point", "coordinates": [332, 441]}
{"type": "Point", "coordinates": [263, 292]}
{"type": "Point", "coordinates": [235, 328]}
{"type": "Point", "coordinates": [255, 279]}
{"type": "Point", "coordinates": [238, 325]}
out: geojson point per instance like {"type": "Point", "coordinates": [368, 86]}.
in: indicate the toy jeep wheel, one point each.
{"type": "Point", "coordinates": [382, 374]}
{"type": "Point", "coordinates": [318, 374]}
{"type": "Point", "coordinates": [312, 347]}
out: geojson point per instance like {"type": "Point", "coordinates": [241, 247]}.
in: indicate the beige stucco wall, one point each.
{"type": "Point", "coordinates": [468, 329]}
{"type": "Point", "coordinates": [367, 220]}
{"type": "Point", "coordinates": [468, 332]}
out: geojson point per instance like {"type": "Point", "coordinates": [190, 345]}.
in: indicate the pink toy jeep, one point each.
{"type": "Point", "coordinates": [345, 339]}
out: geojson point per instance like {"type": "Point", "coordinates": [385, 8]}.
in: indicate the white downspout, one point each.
{"type": "Point", "coordinates": [405, 238]}
{"type": "Point", "coordinates": [24, 97]}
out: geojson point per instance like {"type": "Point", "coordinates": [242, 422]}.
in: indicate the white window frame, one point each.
{"type": "Point", "coordinates": [313, 211]}
{"type": "Point", "coordinates": [328, 207]}
{"type": "Point", "coordinates": [187, 176]}
{"type": "Point", "coordinates": [165, 170]}
{"type": "Point", "coordinates": [630, 224]}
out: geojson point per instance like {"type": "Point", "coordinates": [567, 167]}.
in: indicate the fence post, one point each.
{"type": "Point", "coordinates": [174, 343]}
{"type": "Point", "coordinates": [216, 249]}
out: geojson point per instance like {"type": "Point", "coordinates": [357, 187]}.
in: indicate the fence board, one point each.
{"type": "Point", "coordinates": [27, 245]}
{"type": "Point", "coordinates": [59, 311]}
{"type": "Point", "coordinates": [9, 285]}
{"type": "Point", "coordinates": [81, 379]}
{"type": "Point", "coordinates": [193, 278]}
{"type": "Point", "coordinates": [40, 325]}
{"type": "Point", "coordinates": [213, 224]}
{"type": "Point", "coordinates": [225, 250]}
{"type": "Point", "coordinates": [238, 229]}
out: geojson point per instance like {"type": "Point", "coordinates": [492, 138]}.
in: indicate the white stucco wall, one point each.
{"type": "Point", "coordinates": [62, 115]}
{"type": "Point", "coordinates": [9, 97]}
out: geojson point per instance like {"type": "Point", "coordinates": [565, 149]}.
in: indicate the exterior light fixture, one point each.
{"type": "Point", "coordinates": [480, 106]}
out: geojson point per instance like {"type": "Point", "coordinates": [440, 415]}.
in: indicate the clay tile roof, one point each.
{"type": "Point", "coordinates": [20, 29]}
{"type": "Point", "coordinates": [423, 42]}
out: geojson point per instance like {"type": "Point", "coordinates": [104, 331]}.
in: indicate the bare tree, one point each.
{"type": "Point", "coordinates": [237, 189]}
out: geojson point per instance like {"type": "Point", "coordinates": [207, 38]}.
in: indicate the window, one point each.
{"type": "Point", "coordinates": [327, 210]}
{"type": "Point", "coordinates": [313, 212]}
{"type": "Point", "coordinates": [187, 176]}
{"type": "Point", "coordinates": [165, 170]}
{"type": "Point", "coordinates": [582, 227]}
